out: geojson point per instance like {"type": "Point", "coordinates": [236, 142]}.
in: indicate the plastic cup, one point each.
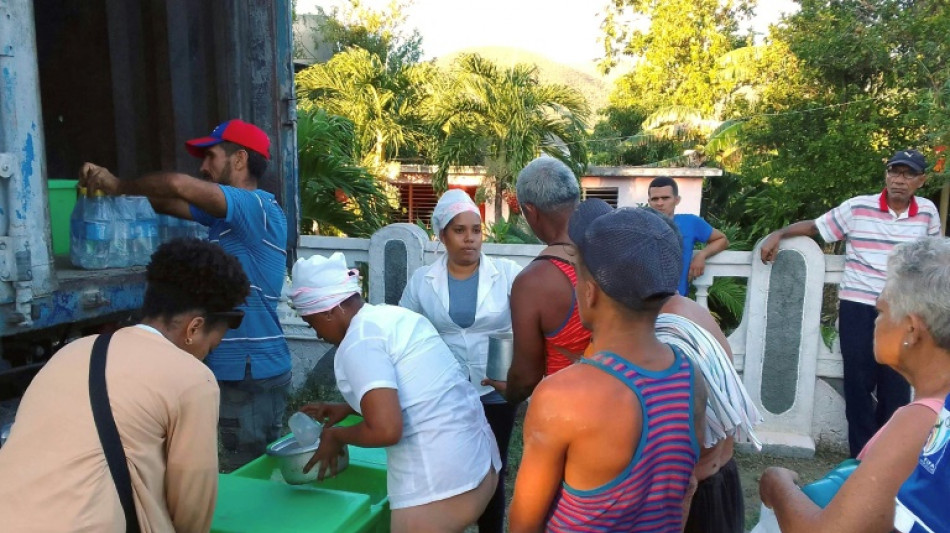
{"type": "Point", "coordinates": [305, 429]}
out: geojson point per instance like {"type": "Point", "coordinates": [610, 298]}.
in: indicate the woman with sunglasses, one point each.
{"type": "Point", "coordinates": [54, 474]}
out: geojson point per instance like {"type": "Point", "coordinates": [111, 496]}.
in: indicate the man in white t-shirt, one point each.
{"type": "Point", "coordinates": [871, 225]}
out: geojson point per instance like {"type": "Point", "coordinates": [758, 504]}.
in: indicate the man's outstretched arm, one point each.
{"type": "Point", "coordinates": [165, 187]}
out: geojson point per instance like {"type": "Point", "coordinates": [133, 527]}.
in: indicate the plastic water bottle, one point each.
{"type": "Point", "coordinates": [77, 231]}
{"type": "Point", "coordinates": [145, 235]}
{"type": "Point", "coordinates": [124, 227]}
{"type": "Point", "coordinates": [305, 429]}
{"type": "Point", "coordinates": [98, 216]}
{"type": "Point", "coordinates": [167, 227]}
{"type": "Point", "coordinates": [194, 230]}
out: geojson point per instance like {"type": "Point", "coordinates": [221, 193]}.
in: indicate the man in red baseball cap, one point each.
{"type": "Point", "coordinates": [252, 363]}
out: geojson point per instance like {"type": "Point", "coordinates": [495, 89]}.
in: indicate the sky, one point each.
{"type": "Point", "coordinates": [566, 31]}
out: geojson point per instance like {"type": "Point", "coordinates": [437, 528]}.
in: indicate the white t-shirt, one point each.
{"type": "Point", "coordinates": [447, 445]}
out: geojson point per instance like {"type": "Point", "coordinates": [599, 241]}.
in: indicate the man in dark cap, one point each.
{"type": "Point", "coordinates": [252, 363]}
{"type": "Point", "coordinates": [611, 442]}
{"type": "Point", "coordinates": [871, 225]}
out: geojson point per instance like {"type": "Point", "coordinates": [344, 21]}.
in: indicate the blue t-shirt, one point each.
{"type": "Point", "coordinates": [463, 299]}
{"type": "Point", "coordinates": [922, 499]}
{"type": "Point", "coordinates": [693, 229]}
{"type": "Point", "coordinates": [255, 231]}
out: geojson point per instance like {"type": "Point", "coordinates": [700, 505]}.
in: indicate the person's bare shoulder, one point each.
{"type": "Point", "coordinates": [578, 393]}
{"type": "Point", "coordinates": [538, 274]}
{"type": "Point", "coordinates": [686, 308]}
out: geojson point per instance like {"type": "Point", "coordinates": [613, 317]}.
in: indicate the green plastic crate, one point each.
{"type": "Point", "coordinates": [62, 200]}
{"type": "Point", "coordinates": [364, 477]}
{"type": "Point", "coordinates": [246, 505]}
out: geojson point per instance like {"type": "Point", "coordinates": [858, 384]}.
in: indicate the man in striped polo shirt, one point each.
{"type": "Point", "coordinates": [871, 225]}
{"type": "Point", "coordinates": [252, 363]}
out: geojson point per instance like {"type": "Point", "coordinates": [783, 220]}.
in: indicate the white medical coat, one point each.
{"type": "Point", "coordinates": [427, 293]}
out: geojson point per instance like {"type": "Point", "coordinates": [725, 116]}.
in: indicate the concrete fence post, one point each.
{"type": "Point", "coordinates": [395, 252]}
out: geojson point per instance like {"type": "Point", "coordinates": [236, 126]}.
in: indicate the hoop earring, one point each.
{"type": "Point", "coordinates": [188, 341]}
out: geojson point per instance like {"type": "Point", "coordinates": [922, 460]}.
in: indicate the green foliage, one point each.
{"type": "Point", "coordinates": [379, 31]}
{"type": "Point", "coordinates": [385, 104]}
{"type": "Point", "coordinates": [503, 118]}
{"type": "Point", "coordinates": [676, 52]}
{"type": "Point", "coordinates": [727, 301]}
{"type": "Point", "coordinates": [868, 77]}
{"type": "Point", "coordinates": [336, 195]}
{"type": "Point", "coordinates": [805, 119]}
{"type": "Point", "coordinates": [828, 335]}
{"type": "Point", "coordinates": [515, 230]}
{"type": "Point", "coordinates": [727, 295]}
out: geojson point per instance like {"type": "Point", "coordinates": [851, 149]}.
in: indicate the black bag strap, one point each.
{"type": "Point", "coordinates": [108, 433]}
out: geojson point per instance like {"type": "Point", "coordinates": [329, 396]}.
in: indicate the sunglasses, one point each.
{"type": "Point", "coordinates": [233, 318]}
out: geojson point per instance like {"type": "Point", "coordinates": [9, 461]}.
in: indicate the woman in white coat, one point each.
{"type": "Point", "coordinates": [465, 294]}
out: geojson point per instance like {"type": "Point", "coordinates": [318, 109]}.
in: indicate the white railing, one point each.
{"type": "Point", "coordinates": [777, 347]}
{"type": "Point", "coordinates": [731, 264]}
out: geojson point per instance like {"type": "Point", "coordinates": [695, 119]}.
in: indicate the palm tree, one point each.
{"type": "Point", "coordinates": [504, 118]}
{"type": "Point", "coordinates": [336, 195]}
{"type": "Point", "coordinates": [383, 103]}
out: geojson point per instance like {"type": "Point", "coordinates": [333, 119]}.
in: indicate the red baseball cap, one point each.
{"type": "Point", "coordinates": [236, 131]}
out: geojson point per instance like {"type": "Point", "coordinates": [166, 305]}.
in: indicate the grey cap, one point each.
{"type": "Point", "coordinates": [633, 255]}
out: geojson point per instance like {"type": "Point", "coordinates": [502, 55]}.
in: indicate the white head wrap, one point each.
{"type": "Point", "coordinates": [321, 283]}
{"type": "Point", "coordinates": [452, 203]}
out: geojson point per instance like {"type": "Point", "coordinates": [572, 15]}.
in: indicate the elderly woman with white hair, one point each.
{"type": "Point", "coordinates": [465, 295]}
{"type": "Point", "coordinates": [393, 369]}
{"type": "Point", "coordinates": [912, 336]}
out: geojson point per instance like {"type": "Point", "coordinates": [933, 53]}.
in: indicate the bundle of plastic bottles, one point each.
{"type": "Point", "coordinates": [121, 231]}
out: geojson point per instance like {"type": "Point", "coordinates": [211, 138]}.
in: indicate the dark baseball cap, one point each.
{"type": "Point", "coordinates": [236, 131]}
{"type": "Point", "coordinates": [632, 254]}
{"type": "Point", "coordinates": [911, 158]}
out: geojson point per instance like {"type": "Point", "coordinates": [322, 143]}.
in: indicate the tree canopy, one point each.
{"type": "Point", "coordinates": [503, 118]}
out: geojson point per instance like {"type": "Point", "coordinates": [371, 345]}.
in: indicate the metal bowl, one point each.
{"type": "Point", "coordinates": [500, 353]}
{"type": "Point", "coordinates": [292, 458]}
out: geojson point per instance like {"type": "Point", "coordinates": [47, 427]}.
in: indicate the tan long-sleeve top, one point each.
{"type": "Point", "coordinates": [53, 474]}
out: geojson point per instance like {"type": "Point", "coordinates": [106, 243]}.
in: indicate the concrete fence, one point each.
{"type": "Point", "coordinates": [789, 371]}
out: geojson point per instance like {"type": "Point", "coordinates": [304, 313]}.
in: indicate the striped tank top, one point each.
{"type": "Point", "coordinates": [648, 495]}
{"type": "Point", "coordinates": [567, 343]}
